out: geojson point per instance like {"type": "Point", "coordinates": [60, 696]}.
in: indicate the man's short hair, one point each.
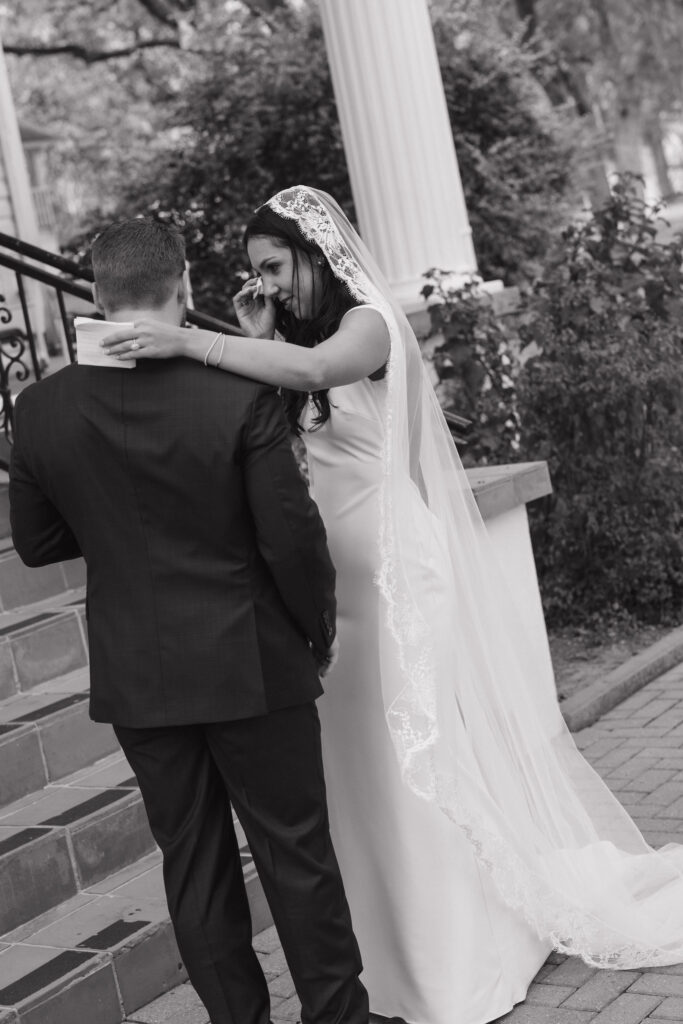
{"type": "Point", "coordinates": [137, 264]}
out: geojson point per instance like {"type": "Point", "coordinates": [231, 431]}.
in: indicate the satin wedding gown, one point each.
{"type": "Point", "coordinates": [453, 795]}
{"type": "Point", "coordinates": [439, 945]}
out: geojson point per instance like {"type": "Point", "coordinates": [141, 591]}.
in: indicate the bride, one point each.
{"type": "Point", "coordinates": [472, 836]}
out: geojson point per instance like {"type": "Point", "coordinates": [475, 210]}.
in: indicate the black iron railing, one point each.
{"type": "Point", "coordinates": [20, 356]}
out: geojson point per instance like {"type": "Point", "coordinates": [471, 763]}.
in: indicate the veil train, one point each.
{"type": "Point", "coordinates": [461, 712]}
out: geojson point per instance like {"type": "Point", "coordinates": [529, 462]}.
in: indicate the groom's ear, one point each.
{"type": "Point", "coordinates": [96, 299]}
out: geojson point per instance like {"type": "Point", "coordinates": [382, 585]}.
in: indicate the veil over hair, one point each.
{"type": "Point", "coordinates": [460, 681]}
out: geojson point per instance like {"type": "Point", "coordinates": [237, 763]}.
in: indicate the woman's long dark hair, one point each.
{"type": "Point", "coordinates": [329, 305]}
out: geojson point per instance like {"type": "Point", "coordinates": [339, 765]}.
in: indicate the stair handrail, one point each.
{"type": "Point", "coordinates": [52, 259]}
{"type": "Point", "coordinates": [84, 272]}
{"type": "Point", "coordinates": [19, 353]}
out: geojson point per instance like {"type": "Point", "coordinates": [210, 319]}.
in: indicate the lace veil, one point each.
{"type": "Point", "coordinates": [459, 680]}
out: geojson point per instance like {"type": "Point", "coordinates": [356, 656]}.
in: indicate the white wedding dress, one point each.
{"type": "Point", "coordinates": [472, 835]}
{"type": "Point", "coordinates": [438, 944]}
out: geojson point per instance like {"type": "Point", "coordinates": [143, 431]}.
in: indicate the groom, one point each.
{"type": "Point", "coordinates": [210, 607]}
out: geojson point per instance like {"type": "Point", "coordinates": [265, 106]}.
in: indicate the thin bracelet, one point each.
{"type": "Point", "coordinates": [210, 348]}
{"type": "Point", "coordinates": [220, 354]}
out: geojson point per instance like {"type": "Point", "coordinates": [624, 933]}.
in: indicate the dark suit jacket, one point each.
{"type": "Point", "coordinates": [208, 570]}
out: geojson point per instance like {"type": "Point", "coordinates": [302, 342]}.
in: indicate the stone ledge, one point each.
{"type": "Point", "coordinates": [585, 707]}
{"type": "Point", "coordinates": [499, 489]}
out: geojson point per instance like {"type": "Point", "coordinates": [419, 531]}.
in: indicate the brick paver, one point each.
{"type": "Point", "coordinates": [637, 748]}
{"type": "Point", "coordinates": [670, 1009]}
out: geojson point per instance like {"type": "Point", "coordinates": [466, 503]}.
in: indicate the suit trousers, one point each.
{"type": "Point", "coordinates": [270, 769]}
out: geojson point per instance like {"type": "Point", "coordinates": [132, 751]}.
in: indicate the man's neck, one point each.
{"type": "Point", "coordinates": [165, 315]}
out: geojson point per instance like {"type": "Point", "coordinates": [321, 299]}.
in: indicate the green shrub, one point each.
{"type": "Point", "coordinates": [602, 401]}
{"type": "Point", "coordinates": [476, 366]}
{"type": "Point", "coordinates": [263, 117]}
{"type": "Point", "coordinates": [514, 153]}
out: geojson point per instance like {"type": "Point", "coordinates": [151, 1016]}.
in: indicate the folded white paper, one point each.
{"type": "Point", "coordinates": [89, 334]}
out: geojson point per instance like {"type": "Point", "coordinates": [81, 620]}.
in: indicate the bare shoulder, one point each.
{"type": "Point", "coordinates": [369, 315]}
{"type": "Point", "coordinates": [366, 320]}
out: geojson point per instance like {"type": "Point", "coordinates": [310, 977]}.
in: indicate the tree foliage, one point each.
{"type": "Point", "coordinates": [250, 126]}
{"type": "Point", "coordinates": [476, 364]}
{"type": "Point", "coordinates": [203, 133]}
{"type": "Point", "coordinates": [267, 118]}
{"type": "Point", "coordinates": [514, 151]}
{"type": "Point", "coordinates": [588, 376]}
{"type": "Point", "coordinates": [93, 31]}
{"type": "Point", "coordinates": [619, 61]}
{"type": "Point", "coordinates": [603, 403]}
{"type": "Point", "coordinates": [102, 75]}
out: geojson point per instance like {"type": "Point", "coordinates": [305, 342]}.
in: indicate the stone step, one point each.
{"type": "Point", "coordinates": [108, 945]}
{"type": "Point", "coordinates": [20, 585]}
{"type": "Point", "coordinates": [102, 954]}
{"type": "Point", "coordinates": [42, 641]}
{"type": "Point", "coordinates": [46, 734]}
{"type": "Point", "coordinates": [5, 529]}
{"type": "Point", "coordinates": [68, 835]}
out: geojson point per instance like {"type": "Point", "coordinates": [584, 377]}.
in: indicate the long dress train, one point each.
{"type": "Point", "coordinates": [438, 943]}
{"type": "Point", "coordinates": [459, 690]}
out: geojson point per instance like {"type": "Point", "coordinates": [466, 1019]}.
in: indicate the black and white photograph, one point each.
{"type": "Point", "coordinates": [341, 512]}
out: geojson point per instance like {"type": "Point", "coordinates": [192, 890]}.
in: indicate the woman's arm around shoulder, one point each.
{"type": "Point", "coordinates": [356, 350]}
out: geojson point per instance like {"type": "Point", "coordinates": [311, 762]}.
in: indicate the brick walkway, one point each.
{"type": "Point", "coordinates": [638, 750]}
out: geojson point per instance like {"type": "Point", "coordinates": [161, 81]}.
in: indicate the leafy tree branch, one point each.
{"type": "Point", "coordinates": [92, 56]}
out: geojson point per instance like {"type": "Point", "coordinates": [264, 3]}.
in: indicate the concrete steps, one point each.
{"type": "Point", "coordinates": [67, 836]}
{"type": "Point", "coordinates": [20, 586]}
{"type": "Point", "coordinates": [42, 641]}
{"type": "Point", "coordinates": [84, 929]}
{"type": "Point", "coordinates": [97, 958]}
{"type": "Point", "coordinates": [47, 735]}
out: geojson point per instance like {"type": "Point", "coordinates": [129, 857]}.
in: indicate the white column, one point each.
{"type": "Point", "coordinates": [21, 198]}
{"type": "Point", "coordinates": [14, 161]}
{"type": "Point", "coordinates": [398, 140]}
